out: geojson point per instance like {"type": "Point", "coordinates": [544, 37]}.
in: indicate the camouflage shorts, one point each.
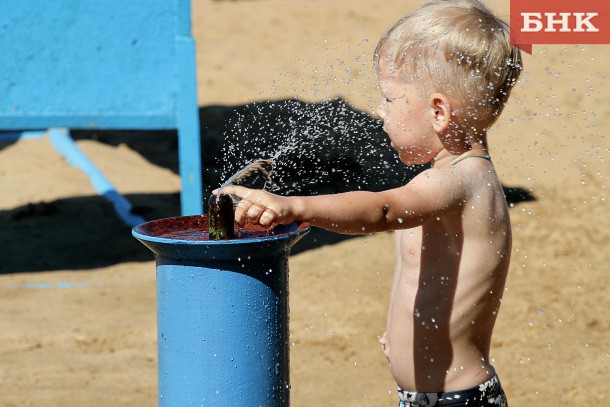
{"type": "Point", "coordinates": [488, 394]}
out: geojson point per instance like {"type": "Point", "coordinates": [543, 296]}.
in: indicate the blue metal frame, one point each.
{"type": "Point", "coordinates": [103, 65]}
{"type": "Point", "coordinates": [60, 138]}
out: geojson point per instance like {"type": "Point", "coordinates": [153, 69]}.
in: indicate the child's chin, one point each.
{"type": "Point", "coordinates": [410, 160]}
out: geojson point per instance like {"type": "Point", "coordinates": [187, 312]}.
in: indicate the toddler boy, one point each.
{"type": "Point", "coordinates": [445, 72]}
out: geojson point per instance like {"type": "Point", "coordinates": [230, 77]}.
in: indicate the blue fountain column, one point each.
{"type": "Point", "coordinates": [222, 315]}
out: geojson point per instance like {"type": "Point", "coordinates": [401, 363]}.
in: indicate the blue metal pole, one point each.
{"type": "Point", "coordinates": [61, 140]}
{"type": "Point", "coordinates": [222, 315]}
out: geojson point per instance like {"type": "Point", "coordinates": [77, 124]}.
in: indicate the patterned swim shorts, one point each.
{"type": "Point", "coordinates": [488, 394]}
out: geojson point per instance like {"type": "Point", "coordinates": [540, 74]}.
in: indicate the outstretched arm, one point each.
{"type": "Point", "coordinates": [427, 195]}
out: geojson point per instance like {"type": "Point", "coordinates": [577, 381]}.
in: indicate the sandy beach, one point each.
{"type": "Point", "coordinates": [77, 292]}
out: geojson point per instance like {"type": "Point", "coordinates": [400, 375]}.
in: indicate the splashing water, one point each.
{"type": "Point", "coordinates": [257, 172]}
{"type": "Point", "coordinates": [315, 148]}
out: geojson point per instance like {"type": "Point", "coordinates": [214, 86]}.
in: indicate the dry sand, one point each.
{"type": "Point", "coordinates": [77, 317]}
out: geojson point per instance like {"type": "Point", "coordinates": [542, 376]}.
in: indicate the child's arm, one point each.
{"type": "Point", "coordinates": [428, 195]}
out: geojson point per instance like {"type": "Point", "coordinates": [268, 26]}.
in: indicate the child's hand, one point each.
{"type": "Point", "coordinates": [383, 341]}
{"type": "Point", "coordinates": [260, 207]}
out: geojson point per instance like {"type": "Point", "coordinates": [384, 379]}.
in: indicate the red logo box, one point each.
{"type": "Point", "coordinates": [559, 22]}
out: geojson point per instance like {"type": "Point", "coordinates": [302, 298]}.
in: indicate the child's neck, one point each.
{"type": "Point", "coordinates": [445, 157]}
{"type": "Point", "coordinates": [473, 144]}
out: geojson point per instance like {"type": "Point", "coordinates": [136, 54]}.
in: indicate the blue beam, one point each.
{"type": "Point", "coordinates": [61, 140]}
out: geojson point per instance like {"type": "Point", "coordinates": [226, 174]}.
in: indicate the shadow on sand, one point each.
{"type": "Point", "coordinates": [334, 148]}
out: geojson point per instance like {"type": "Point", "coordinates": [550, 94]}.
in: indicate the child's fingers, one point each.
{"type": "Point", "coordinates": [255, 206]}
{"type": "Point", "coordinates": [243, 206]}
{"type": "Point", "coordinates": [261, 215]}
{"type": "Point", "coordinates": [241, 211]}
{"type": "Point", "coordinates": [254, 213]}
{"type": "Point", "coordinates": [268, 217]}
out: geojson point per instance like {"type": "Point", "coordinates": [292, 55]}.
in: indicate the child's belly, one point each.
{"type": "Point", "coordinates": [422, 354]}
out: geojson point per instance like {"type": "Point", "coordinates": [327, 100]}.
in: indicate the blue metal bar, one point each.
{"type": "Point", "coordinates": [187, 114]}
{"type": "Point", "coordinates": [61, 140]}
{"type": "Point", "coordinates": [108, 121]}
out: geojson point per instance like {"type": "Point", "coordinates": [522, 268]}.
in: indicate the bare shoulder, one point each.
{"type": "Point", "coordinates": [465, 180]}
{"type": "Point", "coordinates": [447, 184]}
{"type": "Point", "coordinates": [430, 194]}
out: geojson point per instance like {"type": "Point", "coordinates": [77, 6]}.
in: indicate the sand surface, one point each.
{"type": "Point", "coordinates": [77, 305]}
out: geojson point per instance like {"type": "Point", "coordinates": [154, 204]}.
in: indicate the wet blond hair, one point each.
{"type": "Point", "coordinates": [461, 49]}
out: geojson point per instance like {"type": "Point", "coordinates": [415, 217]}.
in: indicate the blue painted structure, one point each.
{"type": "Point", "coordinates": [109, 64]}
{"type": "Point", "coordinates": [222, 314]}
{"type": "Point", "coordinates": [62, 142]}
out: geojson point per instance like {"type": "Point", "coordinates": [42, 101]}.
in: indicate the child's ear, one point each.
{"type": "Point", "coordinates": [442, 112]}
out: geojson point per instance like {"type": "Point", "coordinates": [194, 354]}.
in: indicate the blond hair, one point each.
{"type": "Point", "coordinates": [462, 50]}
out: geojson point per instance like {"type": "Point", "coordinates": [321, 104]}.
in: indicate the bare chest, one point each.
{"type": "Point", "coordinates": [408, 242]}
{"type": "Point", "coordinates": [435, 241]}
